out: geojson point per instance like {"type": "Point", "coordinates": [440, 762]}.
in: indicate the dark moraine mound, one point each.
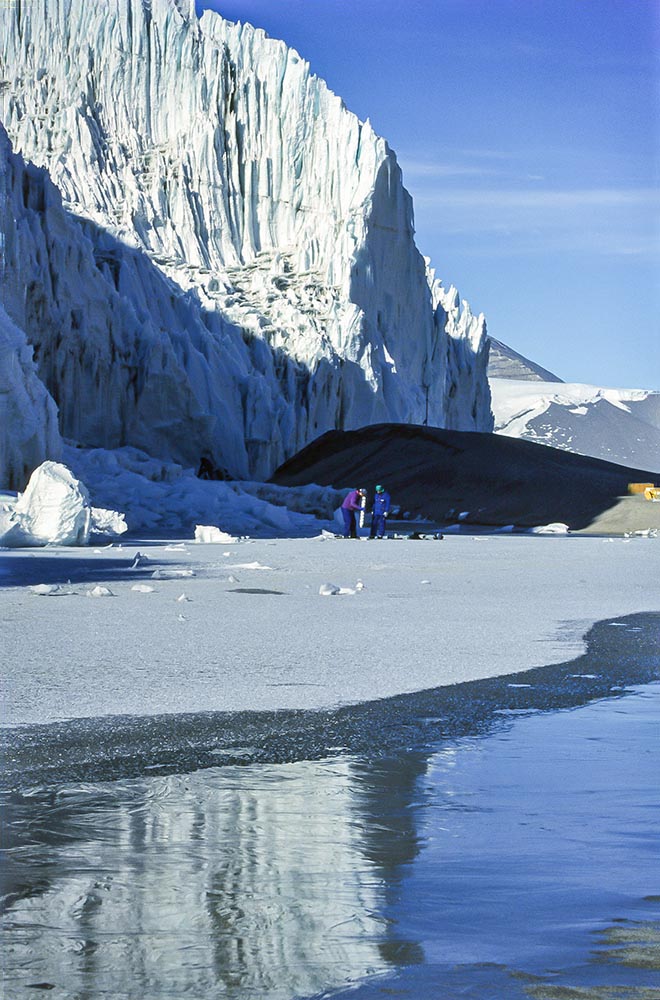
{"type": "Point", "coordinates": [438, 473]}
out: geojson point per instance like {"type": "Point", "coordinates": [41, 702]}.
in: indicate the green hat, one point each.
{"type": "Point", "coordinates": [380, 489]}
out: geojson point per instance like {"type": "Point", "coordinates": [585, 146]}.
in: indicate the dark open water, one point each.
{"type": "Point", "coordinates": [496, 840]}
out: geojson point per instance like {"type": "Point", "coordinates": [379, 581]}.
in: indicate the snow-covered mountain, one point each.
{"type": "Point", "coordinates": [618, 425]}
{"type": "Point", "coordinates": [231, 268]}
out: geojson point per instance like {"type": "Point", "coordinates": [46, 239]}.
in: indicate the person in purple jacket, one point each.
{"type": "Point", "coordinates": [351, 507]}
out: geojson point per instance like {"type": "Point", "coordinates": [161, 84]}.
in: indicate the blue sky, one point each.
{"type": "Point", "coordinates": [528, 132]}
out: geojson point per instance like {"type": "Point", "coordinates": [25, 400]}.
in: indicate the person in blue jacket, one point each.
{"type": "Point", "coordinates": [379, 512]}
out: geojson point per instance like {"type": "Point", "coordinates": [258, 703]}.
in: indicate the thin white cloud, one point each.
{"type": "Point", "coordinates": [490, 244]}
{"type": "Point", "coordinates": [427, 169]}
{"type": "Point", "coordinates": [540, 199]}
{"type": "Point", "coordinates": [611, 221]}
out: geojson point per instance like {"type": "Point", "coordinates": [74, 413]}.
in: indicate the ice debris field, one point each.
{"type": "Point", "coordinates": [223, 620]}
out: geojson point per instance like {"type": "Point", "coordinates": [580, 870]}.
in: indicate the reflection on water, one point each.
{"type": "Point", "coordinates": [254, 880]}
{"type": "Point", "coordinates": [467, 865]}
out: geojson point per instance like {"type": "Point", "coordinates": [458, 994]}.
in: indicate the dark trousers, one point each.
{"type": "Point", "coordinates": [350, 524]}
{"type": "Point", "coordinates": [377, 526]}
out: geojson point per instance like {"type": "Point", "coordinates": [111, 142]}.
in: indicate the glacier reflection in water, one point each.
{"type": "Point", "coordinates": [463, 841]}
{"type": "Point", "coordinates": [241, 882]}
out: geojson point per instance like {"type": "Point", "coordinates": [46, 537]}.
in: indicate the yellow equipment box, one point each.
{"type": "Point", "coordinates": [640, 487]}
{"type": "Point", "coordinates": [652, 493]}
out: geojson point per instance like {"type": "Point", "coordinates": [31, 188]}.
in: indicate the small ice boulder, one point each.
{"type": "Point", "coordinates": [331, 590]}
{"type": "Point", "coordinates": [55, 510]}
{"type": "Point", "coordinates": [108, 522]}
{"type": "Point", "coordinates": [100, 591]}
{"type": "Point", "coordinates": [209, 534]}
{"type": "Point", "coordinates": [45, 589]}
{"type": "Point", "coordinates": [556, 528]}
{"type": "Point", "coordinates": [142, 588]}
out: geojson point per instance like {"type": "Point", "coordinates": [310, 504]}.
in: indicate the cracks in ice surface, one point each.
{"type": "Point", "coordinates": [122, 746]}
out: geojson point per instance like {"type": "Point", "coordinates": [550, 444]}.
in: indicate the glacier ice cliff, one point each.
{"type": "Point", "coordinates": [28, 416]}
{"type": "Point", "coordinates": [217, 259]}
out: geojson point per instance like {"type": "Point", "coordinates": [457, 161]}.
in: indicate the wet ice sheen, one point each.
{"type": "Point", "coordinates": [483, 862]}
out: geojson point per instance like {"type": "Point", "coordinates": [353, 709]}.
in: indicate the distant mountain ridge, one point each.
{"type": "Point", "coordinates": [504, 362]}
{"type": "Point", "coordinates": [616, 425]}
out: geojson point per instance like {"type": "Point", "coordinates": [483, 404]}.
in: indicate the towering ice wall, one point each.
{"type": "Point", "coordinates": [127, 354]}
{"type": "Point", "coordinates": [28, 415]}
{"type": "Point", "coordinates": [255, 242]}
{"type": "Point", "coordinates": [467, 346]}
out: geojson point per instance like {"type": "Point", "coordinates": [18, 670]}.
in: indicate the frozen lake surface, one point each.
{"type": "Point", "coordinates": [492, 839]}
{"type": "Point", "coordinates": [243, 626]}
